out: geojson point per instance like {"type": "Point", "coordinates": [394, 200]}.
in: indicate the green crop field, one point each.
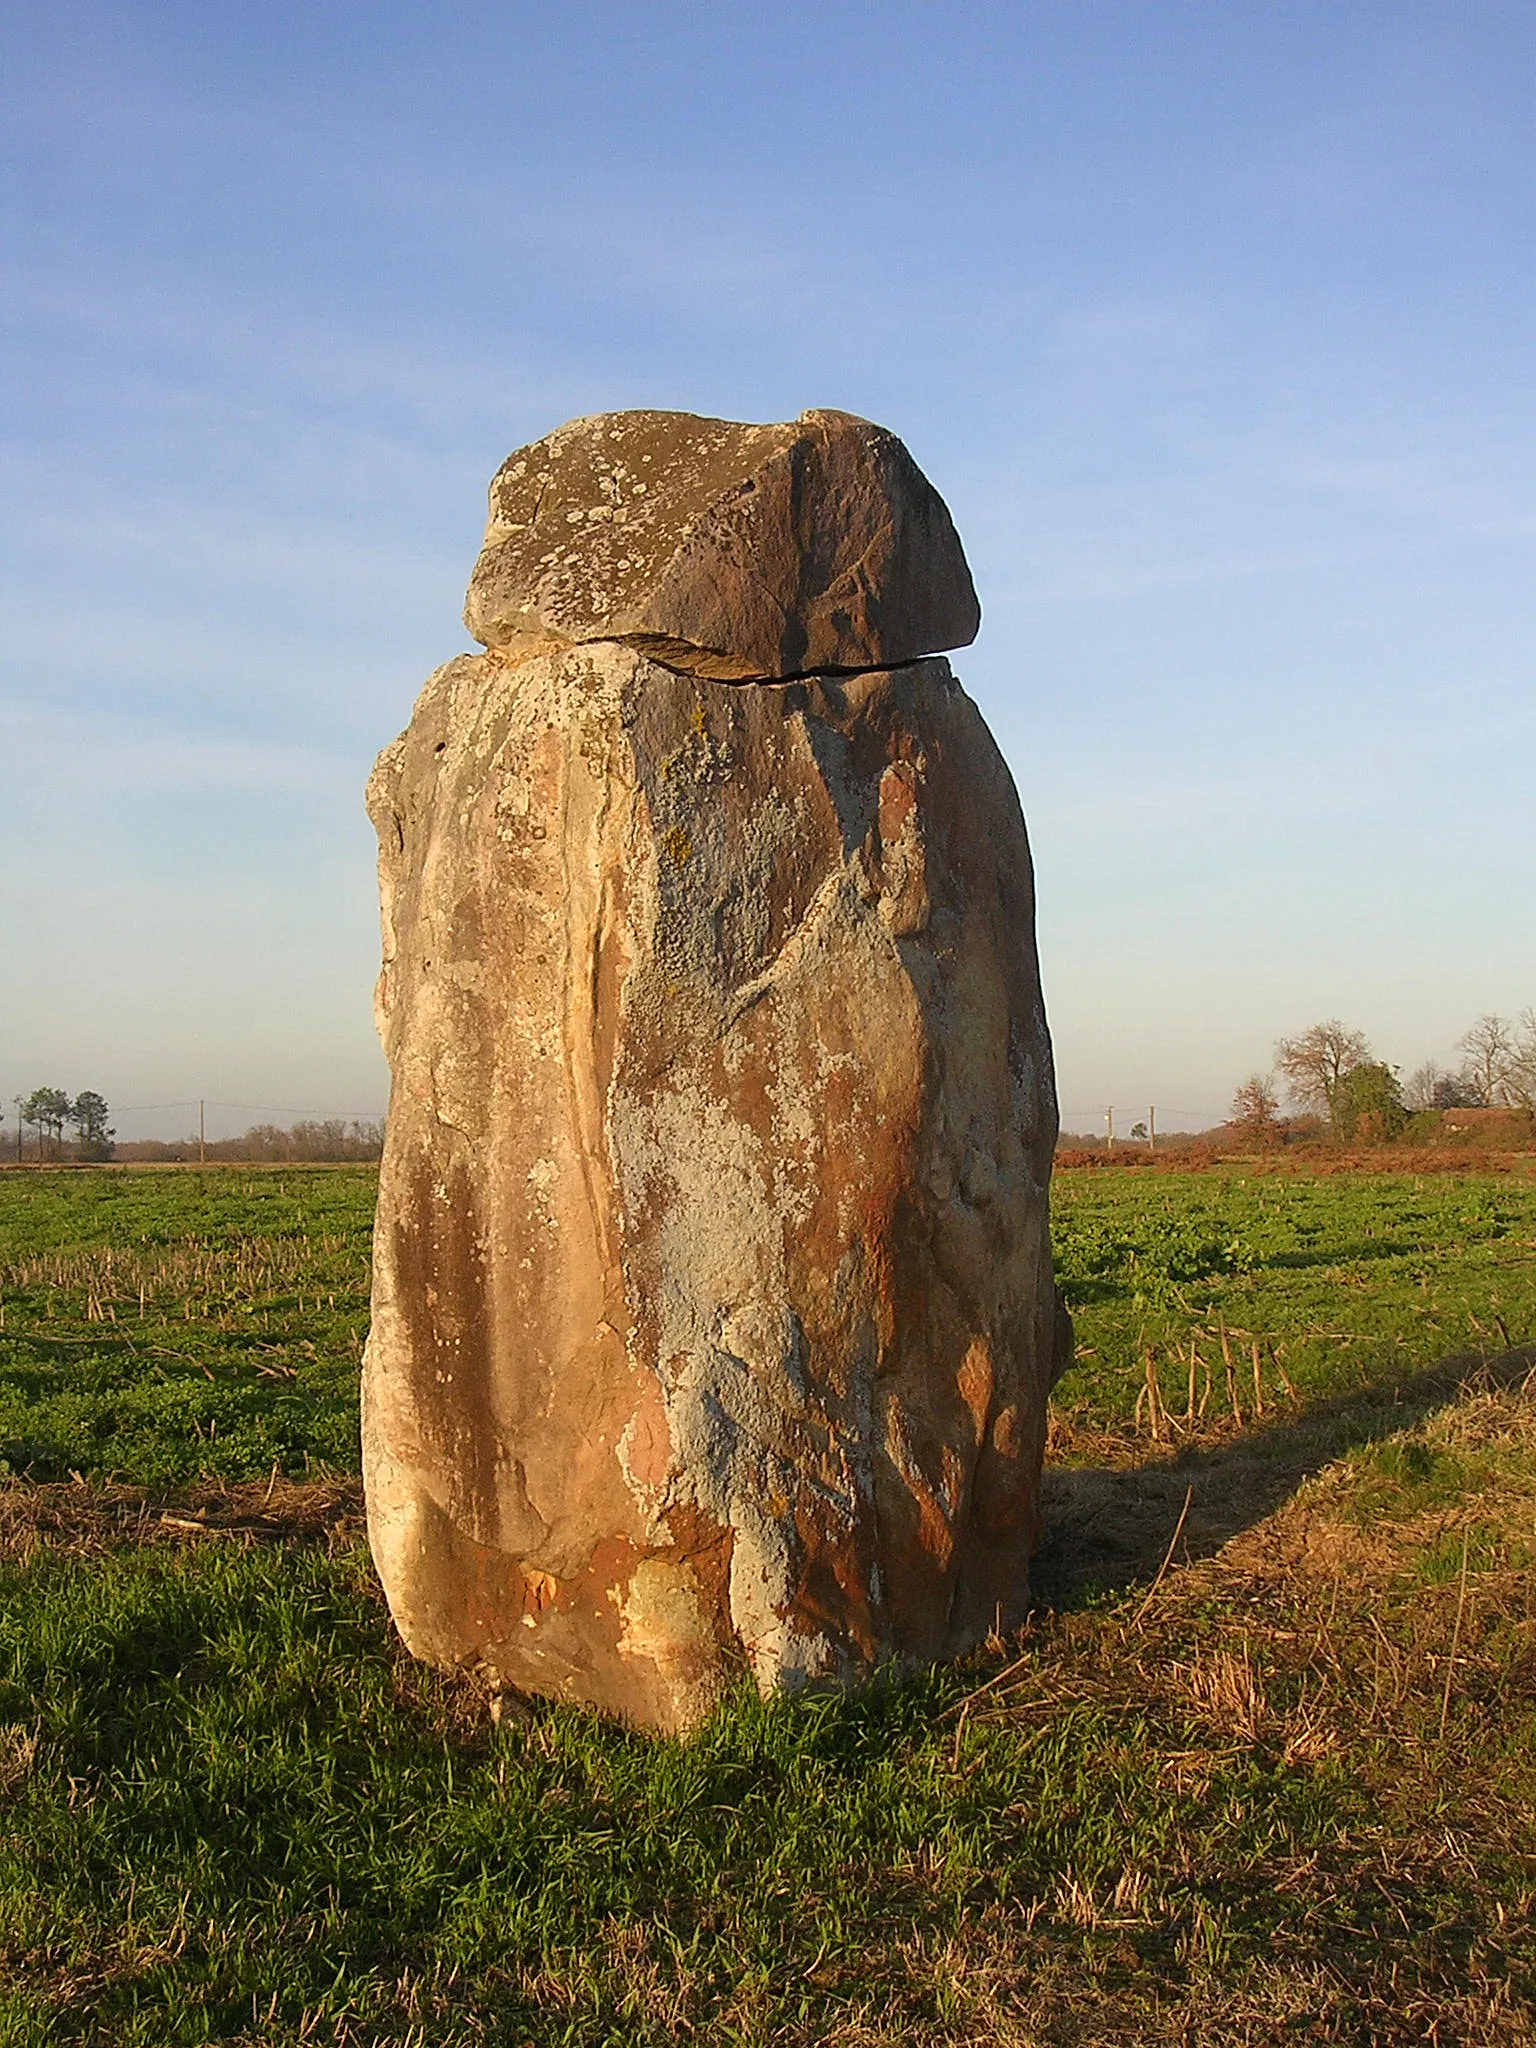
{"type": "Point", "coordinates": [1262, 1768]}
{"type": "Point", "coordinates": [1343, 1283]}
{"type": "Point", "coordinates": [161, 1326]}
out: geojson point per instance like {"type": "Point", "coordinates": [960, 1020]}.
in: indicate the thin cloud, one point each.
{"type": "Point", "coordinates": [120, 754]}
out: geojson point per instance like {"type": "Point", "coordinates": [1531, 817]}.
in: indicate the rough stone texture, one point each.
{"type": "Point", "coordinates": [713, 1311]}
{"type": "Point", "coordinates": [753, 553]}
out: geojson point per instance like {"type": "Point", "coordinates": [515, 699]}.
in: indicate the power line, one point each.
{"type": "Point", "coordinates": [249, 1108]}
{"type": "Point", "coordinates": [1096, 1114]}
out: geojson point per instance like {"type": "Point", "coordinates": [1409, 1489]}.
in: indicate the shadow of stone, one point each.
{"type": "Point", "coordinates": [1105, 1530]}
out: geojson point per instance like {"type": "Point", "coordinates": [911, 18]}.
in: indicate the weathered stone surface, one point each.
{"type": "Point", "coordinates": [751, 553]}
{"type": "Point", "coordinates": [713, 1311]}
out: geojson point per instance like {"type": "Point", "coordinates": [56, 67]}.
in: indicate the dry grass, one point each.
{"type": "Point", "coordinates": [1112, 1497]}
{"type": "Point", "coordinates": [129, 1282]}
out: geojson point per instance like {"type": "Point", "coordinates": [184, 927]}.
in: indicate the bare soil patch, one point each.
{"type": "Point", "coordinates": [85, 1519]}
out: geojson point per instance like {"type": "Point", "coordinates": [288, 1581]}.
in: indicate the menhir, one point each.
{"type": "Point", "coordinates": [713, 1318]}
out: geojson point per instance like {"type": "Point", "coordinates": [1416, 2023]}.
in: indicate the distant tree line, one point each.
{"type": "Point", "coordinates": [1332, 1079]}
{"type": "Point", "coordinates": [334, 1139]}
{"type": "Point", "coordinates": [76, 1128]}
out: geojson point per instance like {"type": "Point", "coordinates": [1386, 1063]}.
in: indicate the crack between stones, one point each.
{"type": "Point", "coordinates": [806, 675]}
{"type": "Point", "coordinates": [654, 648]}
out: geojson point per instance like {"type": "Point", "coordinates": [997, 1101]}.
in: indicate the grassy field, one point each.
{"type": "Point", "coordinates": [1263, 1768]}
{"type": "Point", "coordinates": [158, 1327]}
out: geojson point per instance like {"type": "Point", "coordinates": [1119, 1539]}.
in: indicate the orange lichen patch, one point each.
{"type": "Point", "coordinates": [645, 1448]}
{"type": "Point", "coordinates": [935, 1533]}
{"type": "Point", "coordinates": [540, 1589]}
{"type": "Point", "coordinates": [975, 1381]}
{"type": "Point", "coordinates": [898, 800]}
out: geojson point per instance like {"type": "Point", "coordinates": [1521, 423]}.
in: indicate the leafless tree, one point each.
{"type": "Point", "coordinates": [1255, 1117]}
{"type": "Point", "coordinates": [1419, 1090]}
{"type": "Point", "coordinates": [1489, 1046]}
{"type": "Point", "coordinates": [1520, 1072]}
{"type": "Point", "coordinates": [1315, 1061]}
{"type": "Point", "coordinates": [1431, 1087]}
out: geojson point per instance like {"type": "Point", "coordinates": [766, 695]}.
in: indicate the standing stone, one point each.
{"type": "Point", "coordinates": [713, 1318]}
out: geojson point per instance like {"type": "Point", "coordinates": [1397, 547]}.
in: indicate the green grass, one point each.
{"type": "Point", "coordinates": [1345, 1282]}
{"type": "Point", "coordinates": [159, 1327]}
{"type": "Point", "coordinates": [1289, 1794]}
{"type": "Point", "coordinates": [242, 1351]}
{"type": "Point", "coordinates": [244, 1818]}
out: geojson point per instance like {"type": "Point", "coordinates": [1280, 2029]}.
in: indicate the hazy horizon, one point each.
{"type": "Point", "coordinates": [1212, 326]}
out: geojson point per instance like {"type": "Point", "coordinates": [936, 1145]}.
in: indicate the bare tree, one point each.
{"type": "Point", "coordinates": [1520, 1071]}
{"type": "Point", "coordinates": [1489, 1046]}
{"type": "Point", "coordinates": [1419, 1090]}
{"type": "Point", "coordinates": [1315, 1061]}
{"type": "Point", "coordinates": [1431, 1087]}
{"type": "Point", "coordinates": [1255, 1117]}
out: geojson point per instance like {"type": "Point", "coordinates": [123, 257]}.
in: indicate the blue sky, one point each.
{"type": "Point", "coordinates": [1212, 322]}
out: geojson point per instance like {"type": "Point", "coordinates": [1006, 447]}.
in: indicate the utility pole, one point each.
{"type": "Point", "coordinates": [1152, 1131]}
{"type": "Point", "coordinates": [202, 1138]}
{"type": "Point", "coordinates": [1109, 1128]}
